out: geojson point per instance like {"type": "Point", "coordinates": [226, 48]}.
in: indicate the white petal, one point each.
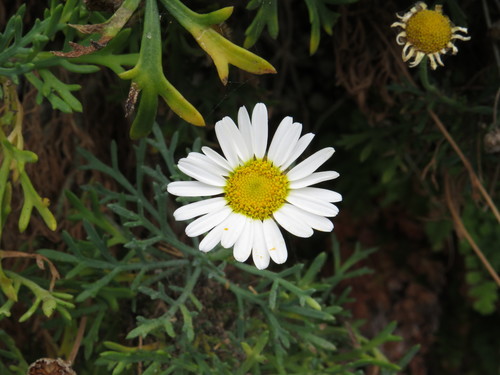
{"type": "Point", "coordinates": [238, 142]}
{"type": "Point", "coordinates": [312, 204]}
{"type": "Point", "coordinates": [318, 193]}
{"type": "Point", "coordinates": [211, 239]}
{"type": "Point", "coordinates": [283, 127]}
{"type": "Point", "coordinates": [408, 51]}
{"type": "Point", "coordinates": [260, 255]}
{"type": "Point", "coordinates": [259, 130]}
{"type": "Point", "coordinates": [216, 158]}
{"type": "Point", "coordinates": [401, 37]}
{"type": "Point", "coordinates": [310, 220]}
{"type": "Point", "coordinates": [308, 166]}
{"type": "Point", "coordinates": [460, 37]}
{"type": "Point", "coordinates": [207, 163]}
{"type": "Point", "coordinates": [194, 170]}
{"type": "Point", "coordinates": [243, 245]}
{"type": "Point", "coordinates": [317, 222]}
{"type": "Point", "coordinates": [199, 208]}
{"type": "Point", "coordinates": [302, 144]}
{"type": "Point", "coordinates": [438, 59]}
{"type": "Point", "coordinates": [313, 178]}
{"type": "Point", "coordinates": [418, 58]}
{"type": "Point", "coordinates": [458, 28]}
{"type": "Point", "coordinates": [284, 142]}
{"type": "Point", "coordinates": [245, 127]}
{"type": "Point", "coordinates": [287, 218]}
{"type": "Point", "coordinates": [275, 242]}
{"type": "Point", "coordinates": [205, 223]}
{"type": "Point", "coordinates": [432, 61]}
{"type": "Point", "coordinates": [193, 189]}
{"type": "Point", "coordinates": [232, 229]}
{"type": "Point", "coordinates": [226, 143]}
{"type": "Point", "coordinates": [290, 145]}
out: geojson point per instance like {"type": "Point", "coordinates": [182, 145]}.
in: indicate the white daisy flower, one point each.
{"type": "Point", "coordinates": [253, 190]}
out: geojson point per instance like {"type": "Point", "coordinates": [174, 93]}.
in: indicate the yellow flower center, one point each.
{"type": "Point", "coordinates": [428, 30]}
{"type": "Point", "coordinates": [256, 189]}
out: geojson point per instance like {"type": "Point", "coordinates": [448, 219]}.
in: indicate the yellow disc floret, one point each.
{"type": "Point", "coordinates": [256, 189]}
{"type": "Point", "coordinates": [426, 32]}
{"type": "Point", "coordinates": [429, 31]}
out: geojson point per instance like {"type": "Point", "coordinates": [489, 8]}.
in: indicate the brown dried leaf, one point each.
{"type": "Point", "coordinates": [79, 50]}
{"type": "Point", "coordinates": [39, 262]}
{"type": "Point", "coordinates": [89, 29]}
{"type": "Point", "coordinates": [133, 94]}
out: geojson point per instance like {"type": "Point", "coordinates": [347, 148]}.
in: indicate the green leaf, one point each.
{"type": "Point", "coordinates": [59, 256]}
{"type": "Point", "coordinates": [32, 199]}
{"type": "Point", "coordinates": [149, 78]}
{"type": "Point", "coordinates": [64, 101]}
{"type": "Point", "coordinates": [486, 295]}
{"type": "Point", "coordinates": [222, 51]}
{"type": "Point", "coordinates": [5, 193]}
{"type": "Point", "coordinates": [91, 290]}
{"type": "Point", "coordinates": [253, 354]}
{"type": "Point", "coordinates": [273, 294]}
{"type": "Point", "coordinates": [298, 312]}
{"type": "Point", "coordinates": [123, 212]}
{"type": "Point", "coordinates": [48, 306]}
{"type": "Point", "coordinates": [314, 269]}
{"type": "Point", "coordinates": [267, 16]}
{"type": "Point", "coordinates": [320, 16]}
{"type": "Point", "coordinates": [7, 285]}
{"type": "Point", "coordinates": [319, 341]}
{"type": "Point", "coordinates": [146, 326]}
{"type": "Point", "coordinates": [188, 323]}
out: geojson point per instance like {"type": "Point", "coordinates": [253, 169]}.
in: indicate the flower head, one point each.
{"type": "Point", "coordinates": [428, 33]}
{"type": "Point", "coordinates": [255, 188]}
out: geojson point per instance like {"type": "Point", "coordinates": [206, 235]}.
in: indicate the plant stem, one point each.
{"type": "Point", "coordinates": [462, 230]}
{"type": "Point", "coordinates": [472, 174]}
{"type": "Point", "coordinates": [424, 79]}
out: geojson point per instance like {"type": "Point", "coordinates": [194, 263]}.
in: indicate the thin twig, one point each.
{"type": "Point", "coordinates": [487, 18]}
{"type": "Point", "coordinates": [472, 174]}
{"type": "Point", "coordinates": [54, 275]}
{"type": "Point", "coordinates": [78, 340]}
{"type": "Point", "coordinates": [139, 365]}
{"type": "Point", "coordinates": [495, 107]}
{"type": "Point", "coordinates": [462, 231]}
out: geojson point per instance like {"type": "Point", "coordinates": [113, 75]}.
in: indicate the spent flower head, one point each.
{"type": "Point", "coordinates": [426, 32]}
{"type": "Point", "coordinates": [254, 188]}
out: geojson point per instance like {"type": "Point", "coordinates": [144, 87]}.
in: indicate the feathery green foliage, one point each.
{"type": "Point", "coordinates": [198, 313]}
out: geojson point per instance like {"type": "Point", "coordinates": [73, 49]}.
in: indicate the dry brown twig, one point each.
{"type": "Point", "coordinates": [472, 174]}
{"type": "Point", "coordinates": [462, 231]}
{"type": "Point", "coordinates": [78, 340]}
{"type": "Point", "coordinates": [40, 259]}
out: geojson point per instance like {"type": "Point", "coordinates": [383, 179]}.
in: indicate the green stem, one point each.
{"type": "Point", "coordinates": [424, 79]}
{"type": "Point", "coordinates": [37, 290]}
{"type": "Point", "coordinates": [424, 76]}
{"type": "Point", "coordinates": [189, 19]}
{"type": "Point", "coordinates": [120, 18]}
{"type": "Point", "coordinates": [188, 289]}
{"type": "Point", "coordinates": [186, 293]}
{"type": "Point", "coordinates": [49, 302]}
{"type": "Point", "coordinates": [181, 12]}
